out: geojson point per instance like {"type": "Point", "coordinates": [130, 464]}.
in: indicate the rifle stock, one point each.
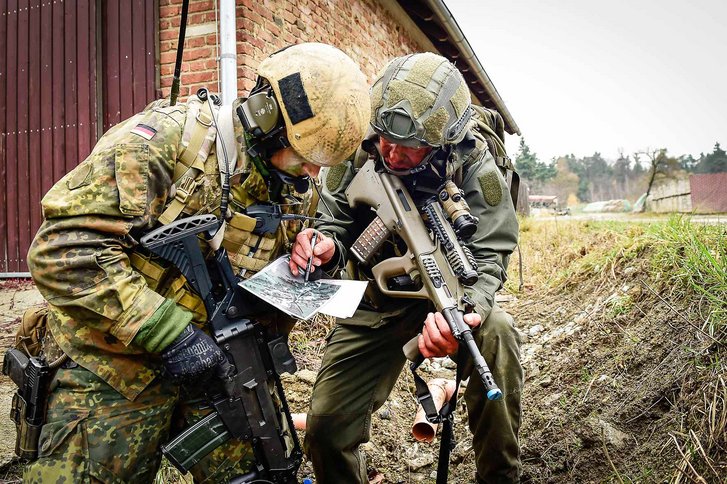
{"type": "Point", "coordinates": [245, 408]}
{"type": "Point", "coordinates": [435, 260]}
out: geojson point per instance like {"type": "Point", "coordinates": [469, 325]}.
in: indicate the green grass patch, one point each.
{"type": "Point", "coordinates": [694, 257]}
{"type": "Point", "coordinates": [620, 305]}
{"type": "Point", "coordinates": [677, 257]}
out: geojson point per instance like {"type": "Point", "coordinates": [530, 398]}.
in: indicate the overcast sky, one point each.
{"type": "Point", "coordinates": [581, 76]}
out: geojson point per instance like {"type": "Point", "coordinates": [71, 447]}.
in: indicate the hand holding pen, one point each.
{"type": "Point", "coordinates": [307, 255]}
{"type": "Point", "coordinates": [310, 261]}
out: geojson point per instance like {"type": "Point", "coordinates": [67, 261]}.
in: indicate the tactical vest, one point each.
{"type": "Point", "coordinates": [196, 189]}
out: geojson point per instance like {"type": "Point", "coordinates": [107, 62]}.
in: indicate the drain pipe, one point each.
{"type": "Point", "coordinates": [228, 52]}
{"type": "Point", "coordinates": [458, 38]}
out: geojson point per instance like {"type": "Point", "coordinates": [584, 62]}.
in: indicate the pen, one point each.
{"type": "Point", "coordinates": [310, 261]}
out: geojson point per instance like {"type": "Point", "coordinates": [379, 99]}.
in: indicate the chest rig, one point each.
{"type": "Point", "coordinates": [190, 170]}
{"type": "Point", "coordinates": [197, 189]}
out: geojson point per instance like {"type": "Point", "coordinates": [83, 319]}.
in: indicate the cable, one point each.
{"type": "Point", "coordinates": [224, 201]}
{"type": "Point", "coordinates": [320, 197]}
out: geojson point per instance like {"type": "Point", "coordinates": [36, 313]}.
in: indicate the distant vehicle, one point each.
{"type": "Point", "coordinates": [562, 211]}
{"type": "Point", "coordinates": [543, 201]}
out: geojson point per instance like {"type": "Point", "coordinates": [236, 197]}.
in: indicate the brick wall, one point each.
{"type": "Point", "coordinates": [363, 29]}
{"type": "Point", "coordinates": [708, 192]}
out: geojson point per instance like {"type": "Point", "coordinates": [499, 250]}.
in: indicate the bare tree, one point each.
{"type": "Point", "coordinates": [657, 161]}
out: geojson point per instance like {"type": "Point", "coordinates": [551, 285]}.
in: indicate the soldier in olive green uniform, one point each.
{"type": "Point", "coordinates": [421, 116]}
{"type": "Point", "coordinates": [122, 316]}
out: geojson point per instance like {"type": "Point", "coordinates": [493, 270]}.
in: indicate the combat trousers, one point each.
{"type": "Point", "coordinates": [359, 369]}
{"type": "Point", "coordinates": [94, 434]}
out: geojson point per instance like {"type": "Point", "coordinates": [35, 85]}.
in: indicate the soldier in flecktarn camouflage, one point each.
{"type": "Point", "coordinates": [130, 325]}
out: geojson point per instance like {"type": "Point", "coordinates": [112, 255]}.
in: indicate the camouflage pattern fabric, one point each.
{"type": "Point", "coordinates": [80, 261]}
{"type": "Point", "coordinates": [94, 434]}
{"type": "Point", "coordinates": [95, 215]}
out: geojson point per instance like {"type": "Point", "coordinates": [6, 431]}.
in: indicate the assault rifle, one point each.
{"type": "Point", "coordinates": [436, 263]}
{"type": "Point", "coordinates": [435, 260]}
{"type": "Point", "coordinates": [244, 406]}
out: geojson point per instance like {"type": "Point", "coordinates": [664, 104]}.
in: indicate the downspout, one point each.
{"type": "Point", "coordinates": [228, 52]}
{"type": "Point", "coordinates": [458, 38]}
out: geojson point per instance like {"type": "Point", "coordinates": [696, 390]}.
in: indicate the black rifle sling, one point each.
{"type": "Point", "coordinates": [423, 394]}
{"type": "Point", "coordinates": [447, 415]}
{"type": "Point", "coordinates": [444, 416]}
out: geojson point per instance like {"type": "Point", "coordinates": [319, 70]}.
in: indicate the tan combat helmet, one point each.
{"type": "Point", "coordinates": [324, 100]}
{"type": "Point", "coordinates": [421, 100]}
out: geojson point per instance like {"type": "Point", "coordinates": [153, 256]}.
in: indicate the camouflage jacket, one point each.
{"type": "Point", "coordinates": [94, 218]}
{"type": "Point", "coordinates": [487, 195]}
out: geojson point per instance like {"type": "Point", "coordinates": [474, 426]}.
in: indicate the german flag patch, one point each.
{"type": "Point", "coordinates": [145, 131]}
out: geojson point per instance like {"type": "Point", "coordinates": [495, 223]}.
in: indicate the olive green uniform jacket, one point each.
{"type": "Point", "coordinates": [364, 357]}
{"type": "Point", "coordinates": [486, 193]}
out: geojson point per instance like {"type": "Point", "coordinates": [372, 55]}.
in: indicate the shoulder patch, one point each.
{"type": "Point", "coordinates": [334, 176]}
{"type": "Point", "coordinates": [491, 189]}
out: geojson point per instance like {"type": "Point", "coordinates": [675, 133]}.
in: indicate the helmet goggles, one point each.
{"type": "Point", "coordinates": [398, 126]}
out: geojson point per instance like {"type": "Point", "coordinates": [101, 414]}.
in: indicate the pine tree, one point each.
{"type": "Point", "coordinates": [531, 169]}
{"type": "Point", "coordinates": [715, 162]}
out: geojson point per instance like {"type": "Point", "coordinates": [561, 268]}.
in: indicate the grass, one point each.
{"type": "Point", "coordinates": [619, 305]}
{"type": "Point", "coordinates": [694, 258]}
{"type": "Point", "coordinates": [673, 264]}
{"type": "Point", "coordinates": [682, 258]}
{"type": "Point", "coordinates": [168, 474]}
{"type": "Point", "coordinates": [552, 249]}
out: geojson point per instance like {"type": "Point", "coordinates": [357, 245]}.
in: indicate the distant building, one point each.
{"type": "Point", "coordinates": [700, 193]}
{"type": "Point", "coordinates": [709, 192]}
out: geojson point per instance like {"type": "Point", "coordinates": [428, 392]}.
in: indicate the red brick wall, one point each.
{"type": "Point", "coordinates": [361, 28]}
{"type": "Point", "coordinates": [709, 194]}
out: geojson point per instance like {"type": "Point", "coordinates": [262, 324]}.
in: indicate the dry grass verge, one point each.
{"type": "Point", "coordinates": [625, 352]}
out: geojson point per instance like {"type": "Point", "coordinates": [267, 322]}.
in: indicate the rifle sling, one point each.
{"type": "Point", "coordinates": [445, 414]}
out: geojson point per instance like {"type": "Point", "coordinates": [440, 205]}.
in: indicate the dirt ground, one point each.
{"type": "Point", "coordinates": [620, 379]}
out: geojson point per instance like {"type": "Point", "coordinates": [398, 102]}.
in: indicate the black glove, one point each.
{"type": "Point", "coordinates": [194, 354]}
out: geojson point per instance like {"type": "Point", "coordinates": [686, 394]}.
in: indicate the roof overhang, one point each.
{"type": "Point", "coordinates": [435, 20]}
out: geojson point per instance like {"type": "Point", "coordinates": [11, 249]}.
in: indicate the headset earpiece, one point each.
{"type": "Point", "coordinates": [260, 113]}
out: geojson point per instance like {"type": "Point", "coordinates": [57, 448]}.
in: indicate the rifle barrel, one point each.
{"type": "Point", "coordinates": [463, 333]}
